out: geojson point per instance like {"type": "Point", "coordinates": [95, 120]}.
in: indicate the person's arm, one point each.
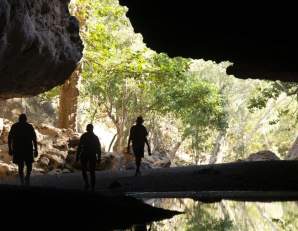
{"type": "Point", "coordinates": [10, 140]}
{"type": "Point", "coordinates": [99, 151]}
{"type": "Point", "coordinates": [129, 140]}
{"type": "Point", "coordinates": [149, 150]}
{"type": "Point", "coordinates": [79, 149]}
{"type": "Point", "coordinates": [34, 139]}
{"type": "Point", "coordinates": [147, 143]}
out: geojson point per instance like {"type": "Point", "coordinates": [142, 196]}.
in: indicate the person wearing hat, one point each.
{"type": "Point", "coordinates": [138, 136]}
{"type": "Point", "coordinates": [21, 141]}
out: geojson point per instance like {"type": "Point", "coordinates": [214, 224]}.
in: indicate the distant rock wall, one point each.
{"type": "Point", "coordinates": [264, 155]}
{"type": "Point", "coordinates": [40, 46]}
{"type": "Point", "coordinates": [37, 110]}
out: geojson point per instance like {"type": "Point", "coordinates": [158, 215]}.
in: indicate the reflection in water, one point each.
{"type": "Point", "coordinates": [228, 216]}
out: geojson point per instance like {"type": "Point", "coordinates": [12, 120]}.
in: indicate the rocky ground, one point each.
{"type": "Point", "coordinates": [243, 181]}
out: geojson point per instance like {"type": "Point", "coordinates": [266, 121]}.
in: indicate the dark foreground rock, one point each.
{"type": "Point", "coordinates": [39, 46]}
{"type": "Point", "coordinates": [59, 209]}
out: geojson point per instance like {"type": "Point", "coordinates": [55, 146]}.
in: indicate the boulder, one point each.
{"type": "Point", "coordinates": [162, 163]}
{"type": "Point", "coordinates": [74, 140]}
{"type": "Point", "coordinates": [55, 172]}
{"type": "Point", "coordinates": [37, 171]}
{"type": "Point", "coordinates": [71, 159]}
{"type": "Point", "coordinates": [158, 160]}
{"type": "Point", "coordinates": [55, 161]}
{"type": "Point", "coordinates": [262, 156]}
{"type": "Point", "coordinates": [65, 171]}
{"type": "Point", "coordinates": [4, 156]}
{"type": "Point", "coordinates": [1, 125]}
{"type": "Point", "coordinates": [107, 161]}
{"type": "Point", "coordinates": [43, 162]}
{"type": "Point", "coordinates": [48, 130]}
{"type": "Point", "coordinates": [111, 161]}
{"type": "Point", "coordinates": [60, 145]}
{"type": "Point", "coordinates": [7, 170]}
{"type": "Point", "coordinates": [5, 130]}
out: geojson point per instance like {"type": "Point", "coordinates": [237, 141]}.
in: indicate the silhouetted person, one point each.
{"type": "Point", "coordinates": [89, 152]}
{"type": "Point", "coordinates": [138, 136]}
{"type": "Point", "coordinates": [21, 141]}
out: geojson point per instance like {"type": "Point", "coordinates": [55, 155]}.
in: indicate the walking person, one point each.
{"type": "Point", "coordinates": [138, 136]}
{"type": "Point", "coordinates": [22, 145]}
{"type": "Point", "coordinates": [89, 152]}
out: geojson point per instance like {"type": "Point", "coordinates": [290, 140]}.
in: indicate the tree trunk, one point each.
{"type": "Point", "coordinates": [112, 141]}
{"type": "Point", "coordinates": [293, 152]}
{"type": "Point", "coordinates": [118, 145]}
{"type": "Point", "coordinates": [68, 102]}
{"type": "Point", "coordinates": [217, 147]}
{"type": "Point", "coordinates": [175, 149]}
{"type": "Point", "coordinates": [265, 217]}
{"type": "Point", "coordinates": [2, 105]}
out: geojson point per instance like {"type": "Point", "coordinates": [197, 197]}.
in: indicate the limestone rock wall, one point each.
{"type": "Point", "coordinates": [39, 46]}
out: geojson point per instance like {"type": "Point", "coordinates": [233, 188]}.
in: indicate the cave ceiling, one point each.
{"type": "Point", "coordinates": [260, 40]}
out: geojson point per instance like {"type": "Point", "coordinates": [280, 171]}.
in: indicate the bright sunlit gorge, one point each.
{"type": "Point", "coordinates": [194, 112]}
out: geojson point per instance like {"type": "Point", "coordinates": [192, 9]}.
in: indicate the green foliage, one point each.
{"type": "Point", "coordinates": [272, 91]}
{"type": "Point", "coordinates": [50, 95]}
{"type": "Point", "coordinates": [202, 217]}
{"type": "Point", "coordinates": [123, 79]}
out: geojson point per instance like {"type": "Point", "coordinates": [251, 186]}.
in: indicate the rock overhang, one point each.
{"type": "Point", "coordinates": [40, 46]}
{"type": "Point", "coordinates": [259, 39]}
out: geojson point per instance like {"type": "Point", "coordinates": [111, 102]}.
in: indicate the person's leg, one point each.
{"type": "Point", "coordinates": [138, 157]}
{"type": "Point", "coordinates": [92, 166]}
{"type": "Point", "coordinates": [28, 172]}
{"type": "Point", "coordinates": [84, 173]}
{"type": "Point", "coordinates": [21, 171]}
{"type": "Point", "coordinates": [138, 164]}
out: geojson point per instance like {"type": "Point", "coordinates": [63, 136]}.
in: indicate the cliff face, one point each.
{"type": "Point", "coordinates": [39, 46]}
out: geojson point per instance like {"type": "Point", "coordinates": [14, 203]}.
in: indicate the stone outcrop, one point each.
{"type": "Point", "coordinates": [7, 170]}
{"type": "Point", "coordinates": [39, 46]}
{"type": "Point", "coordinates": [262, 156]}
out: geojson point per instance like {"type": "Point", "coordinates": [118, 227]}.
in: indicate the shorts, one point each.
{"type": "Point", "coordinates": [138, 151]}
{"type": "Point", "coordinates": [26, 157]}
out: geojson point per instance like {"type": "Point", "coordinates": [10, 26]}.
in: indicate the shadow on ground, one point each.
{"type": "Point", "coordinates": [37, 208]}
